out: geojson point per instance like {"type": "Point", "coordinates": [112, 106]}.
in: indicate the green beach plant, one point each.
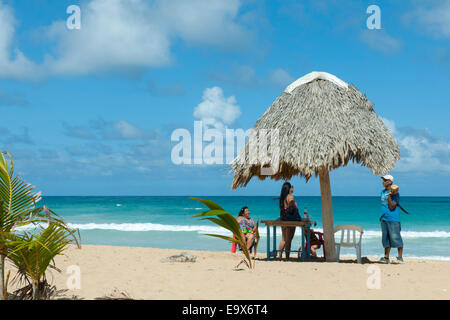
{"type": "Point", "coordinates": [17, 201]}
{"type": "Point", "coordinates": [219, 216]}
{"type": "Point", "coordinates": [32, 254]}
{"type": "Point", "coordinates": [18, 209]}
{"type": "Point", "coordinates": [3, 251]}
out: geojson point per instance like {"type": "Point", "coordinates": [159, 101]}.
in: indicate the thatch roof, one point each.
{"type": "Point", "coordinates": [321, 124]}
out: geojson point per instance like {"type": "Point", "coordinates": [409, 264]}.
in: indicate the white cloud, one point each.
{"type": "Point", "coordinates": [420, 150]}
{"type": "Point", "coordinates": [246, 76]}
{"type": "Point", "coordinates": [124, 35]}
{"type": "Point", "coordinates": [212, 22]}
{"type": "Point", "coordinates": [280, 77]}
{"type": "Point", "coordinates": [113, 34]}
{"type": "Point", "coordinates": [390, 125]}
{"type": "Point", "coordinates": [215, 110]}
{"type": "Point", "coordinates": [381, 41]}
{"type": "Point", "coordinates": [13, 63]}
{"type": "Point", "coordinates": [100, 130]}
{"type": "Point", "coordinates": [433, 15]}
{"type": "Point", "coordinates": [126, 130]}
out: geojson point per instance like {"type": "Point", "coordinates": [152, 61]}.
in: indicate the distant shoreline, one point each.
{"type": "Point", "coordinates": [228, 196]}
{"type": "Point", "coordinates": [262, 253]}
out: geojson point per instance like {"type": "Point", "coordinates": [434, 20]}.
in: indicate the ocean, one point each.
{"type": "Point", "coordinates": [166, 222]}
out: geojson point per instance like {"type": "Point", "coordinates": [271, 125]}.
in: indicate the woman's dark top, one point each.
{"type": "Point", "coordinates": [290, 213]}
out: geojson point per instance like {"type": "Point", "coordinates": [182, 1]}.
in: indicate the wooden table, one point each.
{"type": "Point", "coordinates": [278, 223]}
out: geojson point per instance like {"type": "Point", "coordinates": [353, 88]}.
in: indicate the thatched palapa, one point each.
{"type": "Point", "coordinates": [322, 124]}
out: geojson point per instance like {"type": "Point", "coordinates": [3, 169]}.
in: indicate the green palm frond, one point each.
{"type": "Point", "coordinates": [17, 195]}
{"type": "Point", "coordinates": [227, 221]}
{"type": "Point", "coordinates": [213, 212]}
{"type": "Point", "coordinates": [32, 254]}
{"type": "Point", "coordinates": [222, 237]}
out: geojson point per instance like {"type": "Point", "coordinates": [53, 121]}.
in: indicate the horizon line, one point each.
{"type": "Point", "coordinates": [424, 196]}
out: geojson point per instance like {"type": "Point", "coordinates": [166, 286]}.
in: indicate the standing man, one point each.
{"type": "Point", "coordinates": [390, 220]}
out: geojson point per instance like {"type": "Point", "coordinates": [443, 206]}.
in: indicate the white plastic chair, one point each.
{"type": "Point", "coordinates": [347, 229]}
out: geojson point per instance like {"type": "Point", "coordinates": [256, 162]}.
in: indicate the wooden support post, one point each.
{"type": "Point", "coordinates": [274, 242]}
{"type": "Point", "coordinates": [303, 244]}
{"type": "Point", "coordinates": [327, 215]}
{"type": "Point", "coordinates": [308, 242]}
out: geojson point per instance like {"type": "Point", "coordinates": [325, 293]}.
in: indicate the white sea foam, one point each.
{"type": "Point", "coordinates": [205, 228]}
{"type": "Point", "coordinates": [136, 227]}
{"type": "Point", "coordinates": [410, 234]}
{"type": "Point", "coordinates": [146, 227]}
{"type": "Point", "coordinates": [369, 234]}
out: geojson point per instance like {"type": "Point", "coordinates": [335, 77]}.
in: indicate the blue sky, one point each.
{"type": "Point", "coordinates": [91, 111]}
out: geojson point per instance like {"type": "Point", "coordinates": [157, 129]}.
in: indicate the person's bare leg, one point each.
{"type": "Point", "coordinates": [290, 235]}
{"type": "Point", "coordinates": [250, 238]}
{"type": "Point", "coordinates": [400, 252]}
{"type": "Point", "coordinates": [299, 254]}
{"type": "Point", "coordinates": [287, 246]}
{"type": "Point", "coordinates": [386, 252]}
{"type": "Point", "coordinates": [282, 242]}
{"type": "Point", "coordinates": [300, 250]}
{"type": "Point", "coordinates": [313, 250]}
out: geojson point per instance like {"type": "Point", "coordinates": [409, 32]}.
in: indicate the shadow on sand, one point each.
{"type": "Point", "coordinates": [364, 260]}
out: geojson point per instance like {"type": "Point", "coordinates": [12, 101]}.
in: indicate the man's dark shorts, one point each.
{"type": "Point", "coordinates": [390, 234]}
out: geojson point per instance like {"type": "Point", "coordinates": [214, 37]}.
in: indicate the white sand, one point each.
{"type": "Point", "coordinates": [139, 272]}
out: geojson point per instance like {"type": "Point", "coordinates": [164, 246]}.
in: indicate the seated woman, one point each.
{"type": "Point", "coordinates": [314, 243]}
{"type": "Point", "coordinates": [248, 226]}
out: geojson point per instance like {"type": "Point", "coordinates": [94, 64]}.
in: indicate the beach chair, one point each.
{"type": "Point", "coordinates": [255, 243]}
{"type": "Point", "coordinates": [347, 229]}
{"type": "Point", "coordinates": [234, 246]}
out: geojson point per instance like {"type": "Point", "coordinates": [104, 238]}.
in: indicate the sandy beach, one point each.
{"type": "Point", "coordinates": [139, 273]}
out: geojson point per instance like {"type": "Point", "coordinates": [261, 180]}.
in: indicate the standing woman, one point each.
{"type": "Point", "coordinates": [286, 199]}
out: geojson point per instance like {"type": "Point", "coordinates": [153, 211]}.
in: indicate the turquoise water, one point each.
{"type": "Point", "coordinates": [166, 222]}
